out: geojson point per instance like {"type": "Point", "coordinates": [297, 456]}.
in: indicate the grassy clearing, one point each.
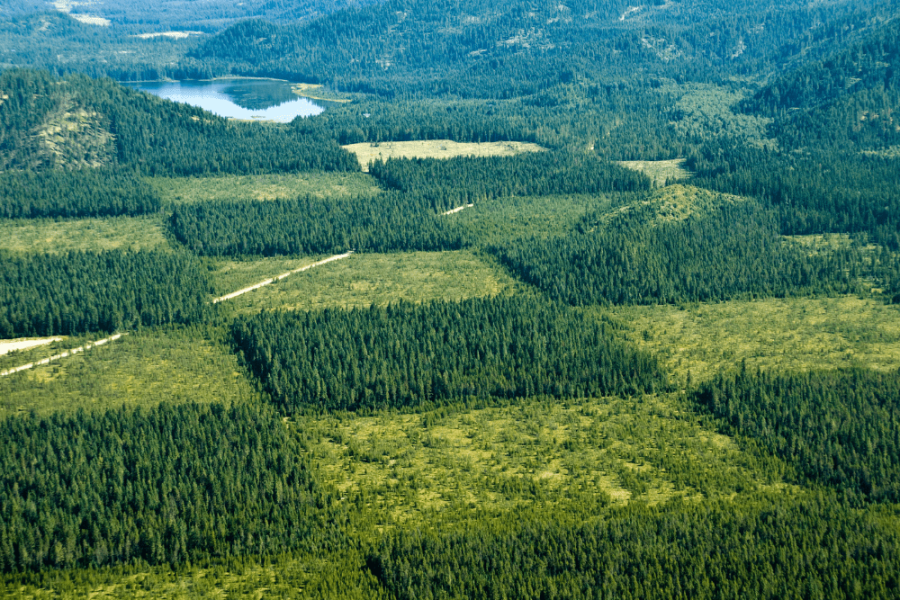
{"type": "Point", "coordinates": [232, 275]}
{"type": "Point", "coordinates": [183, 190]}
{"type": "Point", "coordinates": [369, 151]}
{"type": "Point", "coordinates": [659, 170]}
{"type": "Point", "coordinates": [504, 219]}
{"type": "Point", "coordinates": [141, 369]}
{"type": "Point", "coordinates": [366, 279]}
{"type": "Point", "coordinates": [115, 233]}
{"type": "Point", "coordinates": [795, 333]}
{"type": "Point", "coordinates": [452, 464]}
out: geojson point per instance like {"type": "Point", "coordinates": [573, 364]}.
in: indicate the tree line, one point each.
{"type": "Point", "coordinates": [383, 223]}
{"type": "Point", "coordinates": [78, 292]}
{"type": "Point", "coordinates": [770, 547]}
{"type": "Point", "coordinates": [417, 355]}
{"type": "Point", "coordinates": [457, 181]}
{"type": "Point", "coordinates": [840, 428]}
{"type": "Point", "coordinates": [104, 192]}
{"type": "Point", "coordinates": [171, 484]}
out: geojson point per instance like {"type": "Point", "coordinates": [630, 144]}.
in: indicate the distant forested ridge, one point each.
{"type": "Point", "coordinates": [386, 222]}
{"type": "Point", "coordinates": [77, 292]}
{"type": "Point", "coordinates": [411, 355]}
{"type": "Point", "coordinates": [840, 428]}
{"type": "Point", "coordinates": [154, 136]}
{"type": "Point", "coordinates": [771, 547]}
{"type": "Point", "coordinates": [82, 193]}
{"type": "Point", "coordinates": [166, 485]}
{"type": "Point", "coordinates": [507, 49]}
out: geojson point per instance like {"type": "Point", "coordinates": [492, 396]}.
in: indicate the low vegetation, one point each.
{"type": "Point", "coordinates": [455, 463]}
{"type": "Point", "coordinates": [369, 152]}
{"type": "Point", "coordinates": [363, 280]}
{"type": "Point", "coordinates": [182, 190]}
{"type": "Point", "coordinates": [36, 236]}
{"type": "Point", "coordinates": [143, 368]}
{"type": "Point", "coordinates": [700, 340]}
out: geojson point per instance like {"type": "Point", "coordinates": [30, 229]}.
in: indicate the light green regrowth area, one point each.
{"type": "Point", "coordinates": [797, 333]}
{"type": "Point", "coordinates": [90, 235]}
{"type": "Point", "coordinates": [365, 279]}
{"type": "Point", "coordinates": [182, 190]}
{"type": "Point", "coordinates": [139, 369]}
{"type": "Point", "coordinates": [453, 462]}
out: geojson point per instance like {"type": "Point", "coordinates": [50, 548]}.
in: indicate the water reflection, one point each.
{"type": "Point", "coordinates": [256, 99]}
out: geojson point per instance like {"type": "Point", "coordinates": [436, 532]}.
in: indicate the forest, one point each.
{"type": "Point", "coordinates": [407, 355]}
{"type": "Point", "coordinates": [656, 355]}
{"type": "Point", "coordinates": [79, 292]}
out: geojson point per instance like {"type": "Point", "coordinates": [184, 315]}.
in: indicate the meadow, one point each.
{"type": "Point", "coordinates": [144, 368]}
{"type": "Point", "coordinates": [370, 151]}
{"type": "Point", "coordinates": [366, 279]}
{"type": "Point", "coordinates": [182, 190]}
{"type": "Point", "coordinates": [701, 340]}
{"type": "Point", "coordinates": [114, 233]}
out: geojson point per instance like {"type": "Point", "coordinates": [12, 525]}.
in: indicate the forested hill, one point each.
{"type": "Point", "coordinates": [76, 122]}
{"type": "Point", "coordinates": [849, 96]}
{"type": "Point", "coordinates": [509, 47]}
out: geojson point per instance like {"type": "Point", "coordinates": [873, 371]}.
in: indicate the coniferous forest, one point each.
{"type": "Point", "coordinates": [541, 300]}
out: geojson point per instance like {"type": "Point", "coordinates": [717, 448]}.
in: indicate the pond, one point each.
{"type": "Point", "coordinates": [251, 99]}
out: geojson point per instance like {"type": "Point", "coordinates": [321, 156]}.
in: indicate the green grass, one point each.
{"type": "Point", "coordinates": [115, 233]}
{"type": "Point", "coordinates": [366, 279]}
{"type": "Point", "coordinates": [184, 190]}
{"type": "Point", "coordinates": [503, 219]}
{"type": "Point", "coordinates": [367, 152]}
{"type": "Point", "coordinates": [232, 275]}
{"type": "Point", "coordinates": [449, 464]}
{"type": "Point", "coordinates": [140, 369]}
{"type": "Point", "coordinates": [797, 333]}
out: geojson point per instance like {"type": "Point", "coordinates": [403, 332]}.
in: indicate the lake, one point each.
{"type": "Point", "coordinates": [251, 99]}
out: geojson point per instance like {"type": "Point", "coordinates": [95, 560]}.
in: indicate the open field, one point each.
{"type": "Point", "coordinates": [796, 333]}
{"type": "Point", "coordinates": [231, 275]}
{"type": "Point", "coordinates": [503, 219]}
{"type": "Point", "coordinates": [457, 461]}
{"type": "Point", "coordinates": [659, 170]}
{"type": "Point", "coordinates": [369, 151]}
{"type": "Point", "coordinates": [365, 279]}
{"type": "Point", "coordinates": [20, 344]}
{"type": "Point", "coordinates": [182, 190]}
{"type": "Point", "coordinates": [113, 233]}
{"type": "Point", "coordinates": [141, 369]}
{"type": "Point", "coordinates": [281, 277]}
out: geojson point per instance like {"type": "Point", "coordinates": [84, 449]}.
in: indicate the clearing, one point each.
{"type": "Point", "coordinates": [367, 152]}
{"type": "Point", "coordinates": [659, 170]}
{"type": "Point", "coordinates": [185, 364]}
{"type": "Point", "coordinates": [781, 334]}
{"type": "Point", "coordinates": [175, 35]}
{"type": "Point", "coordinates": [261, 284]}
{"type": "Point", "coordinates": [381, 279]}
{"type": "Point", "coordinates": [453, 461]}
{"type": "Point", "coordinates": [33, 236]}
{"type": "Point", "coordinates": [7, 346]}
{"type": "Point", "coordinates": [61, 355]}
{"type": "Point", "coordinates": [182, 190]}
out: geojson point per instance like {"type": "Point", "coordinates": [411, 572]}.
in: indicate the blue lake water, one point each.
{"type": "Point", "coordinates": [252, 99]}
